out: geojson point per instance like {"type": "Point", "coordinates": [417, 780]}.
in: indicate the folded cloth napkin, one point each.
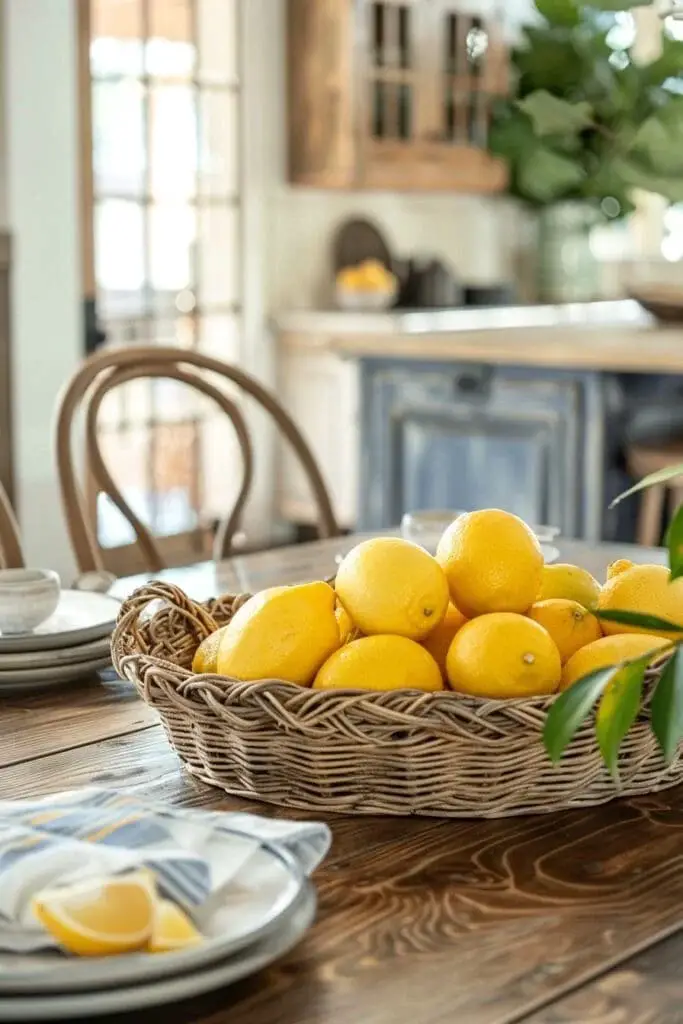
{"type": "Point", "coordinates": [87, 833]}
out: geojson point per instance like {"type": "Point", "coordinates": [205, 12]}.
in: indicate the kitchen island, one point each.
{"type": "Point", "coordinates": [524, 407]}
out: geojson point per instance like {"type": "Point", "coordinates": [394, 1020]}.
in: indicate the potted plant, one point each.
{"type": "Point", "coordinates": [584, 126]}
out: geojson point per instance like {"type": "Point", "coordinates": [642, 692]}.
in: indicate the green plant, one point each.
{"type": "Point", "coordinates": [618, 689]}
{"type": "Point", "coordinates": [585, 121]}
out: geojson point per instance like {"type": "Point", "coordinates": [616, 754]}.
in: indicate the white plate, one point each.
{"type": "Point", "coordinates": [93, 651]}
{"type": "Point", "coordinates": [251, 907]}
{"type": "Point", "coordinates": [21, 680]}
{"type": "Point", "coordinates": [127, 998]}
{"type": "Point", "coordinates": [80, 617]}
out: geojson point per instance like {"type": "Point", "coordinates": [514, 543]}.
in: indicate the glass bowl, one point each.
{"type": "Point", "coordinates": [427, 526]}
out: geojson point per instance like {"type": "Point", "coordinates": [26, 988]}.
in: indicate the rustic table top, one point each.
{"type": "Point", "coordinates": [572, 917]}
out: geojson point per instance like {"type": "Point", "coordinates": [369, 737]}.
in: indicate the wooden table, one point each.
{"type": "Point", "coordinates": [573, 917]}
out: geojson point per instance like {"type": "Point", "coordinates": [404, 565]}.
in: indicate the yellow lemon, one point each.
{"type": "Point", "coordinates": [610, 650]}
{"type": "Point", "coordinates": [281, 633]}
{"type": "Point", "coordinates": [441, 638]}
{"type": "Point", "coordinates": [206, 656]}
{"type": "Point", "coordinates": [346, 627]}
{"type": "Point", "coordinates": [570, 625]}
{"type": "Point", "coordinates": [646, 589]}
{"type": "Point", "coordinates": [172, 929]}
{"type": "Point", "coordinates": [503, 654]}
{"type": "Point", "coordinates": [493, 562]}
{"type": "Point", "coordinates": [571, 582]}
{"type": "Point", "coordinates": [380, 663]}
{"type": "Point", "coordinates": [389, 585]}
{"type": "Point", "coordinates": [621, 565]}
{"type": "Point", "coordinates": [100, 916]}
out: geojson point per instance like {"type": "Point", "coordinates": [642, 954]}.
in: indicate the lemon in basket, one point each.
{"type": "Point", "coordinates": [493, 562]}
{"type": "Point", "coordinates": [610, 650]}
{"type": "Point", "coordinates": [440, 639]}
{"type": "Point", "coordinates": [206, 656]}
{"type": "Point", "coordinates": [281, 633]}
{"type": "Point", "coordinates": [380, 663]}
{"type": "Point", "coordinates": [389, 585]}
{"type": "Point", "coordinates": [570, 582]}
{"type": "Point", "coordinates": [647, 589]}
{"type": "Point", "coordinates": [503, 655]}
{"type": "Point", "coordinates": [570, 624]}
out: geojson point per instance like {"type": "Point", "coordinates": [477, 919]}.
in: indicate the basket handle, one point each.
{"type": "Point", "coordinates": [128, 620]}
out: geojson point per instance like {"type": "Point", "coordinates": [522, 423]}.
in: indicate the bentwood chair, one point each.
{"type": "Point", "coordinates": [110, 368]}
{"type": "Point", "coordinates": [11, 555]}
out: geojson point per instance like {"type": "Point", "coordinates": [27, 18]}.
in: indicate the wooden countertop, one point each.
{"type": "Point", "coordinates": [615, 337]}
{"type": "Point", "coordinates": [558, 917]}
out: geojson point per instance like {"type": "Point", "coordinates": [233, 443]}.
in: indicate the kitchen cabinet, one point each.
{"type": "Point", "coordinates": [393, 95]}
{"type": "Point", "coordinates": [465, 436]}
{"type": "Point", "coordinates": [320, 391]}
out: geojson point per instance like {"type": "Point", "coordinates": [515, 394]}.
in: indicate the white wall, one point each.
{"type": "Point", "coordinates": [42, 173]}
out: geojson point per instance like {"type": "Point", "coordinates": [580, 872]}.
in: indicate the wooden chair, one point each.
{"type": "Point", "coordinates": [642, 460]}
{"type": "Point", "coordinates": [11, 556]}
{"type": "Point", "coordinates": [110, 368]}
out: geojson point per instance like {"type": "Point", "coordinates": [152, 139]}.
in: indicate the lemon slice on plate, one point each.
{"type": "Point", "coordinates": [101, 916]}
{"type": "Point", "coordinates": [172, 929]}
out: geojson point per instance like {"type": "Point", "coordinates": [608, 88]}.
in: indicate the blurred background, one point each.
{"type": "Point", "coordinates": [448, 234]}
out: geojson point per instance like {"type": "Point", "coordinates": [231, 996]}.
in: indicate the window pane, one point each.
{"type": "Point", "coordinates": [116, 44]}
{"type": "Point", "coordinates": [218, 249]}
{"type": "Point", "coordinates": [219, 336]}
{"type": "Point", "coordinates": [126, 455]}
{"type": "Point", "coordinates": [118, 138]}
{"type": "Point", "coordinates": [173, 142]}
{"type": "Point", "coordinates": [172, 232]}
{"type": "Point", "coordinates": [174, 475]}
{"type": "Point", "coordinates": [119, 257]}
{"type": "Point", "coordinates": [170, 50]}
{"type": "Point", "coordinates": [219, 137]}
{"type": "Point", "coordinates": [217, 24]}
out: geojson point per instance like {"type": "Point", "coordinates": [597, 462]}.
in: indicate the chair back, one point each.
{"type": "Point", "coordinates": [111, 368]}
{"type": "Point", "coordinates": [11, 555]}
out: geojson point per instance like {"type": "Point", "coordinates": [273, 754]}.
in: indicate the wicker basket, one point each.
{"type": "Point", "coordinates": [363, 752]}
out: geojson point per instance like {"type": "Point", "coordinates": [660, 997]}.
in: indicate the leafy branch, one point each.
{"type": "Point", "coordinates": [586, 120]}
{"type": "Point", "coordinates": [617, 690]}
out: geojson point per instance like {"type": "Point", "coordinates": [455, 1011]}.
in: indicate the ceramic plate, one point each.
{"type": "Point", "coordinates": [93, 651]}
{"type": "Point", "coordinates": [21, 680]}
{"type": "Point", "coordinates": [80, 618]}
{"type": "Point", "coordinates": [127, 998]}
{"type": "Point", "coordinates": [251, 907]}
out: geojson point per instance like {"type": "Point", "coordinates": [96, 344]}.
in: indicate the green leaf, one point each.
{"type": "Point", "coordinates": [659, 140]}
{"type": "Point", "coordinates": [512, 133]}
{"type": "Point", "coordinates": [543, 176]}
{"type": "Point", "coordinates": [618, 709]}
{"type": "Point", "coordinates": [571, 708]}
{"type": "Point", "coordinates": [674, 542]}
{"type": "Point", "coordinates": [553, 116]}
{"type": "Point", "coordinates": [640, 619]}
{"type": "Point", "coordinates": [661, 476]}
{"type": "Point", "coordinates": [666, 710]}
{"type": "Point", "coordinates": [560, 12]}
{"type": "Point", "coordinates": [618, 5]}
{"type": "Point", "coordinates": [669, 64]}
{"type": "Point", "coordinates": [638, 176]}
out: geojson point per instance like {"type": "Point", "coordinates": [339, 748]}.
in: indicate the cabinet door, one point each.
{"type": "Point", "coordinates": [427, 75]}
{"type": "Point", "coordinates": [469, 437]}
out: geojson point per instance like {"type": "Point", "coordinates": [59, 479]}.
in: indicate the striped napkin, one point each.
{"type": "Point", "coordinates": [89, 833]}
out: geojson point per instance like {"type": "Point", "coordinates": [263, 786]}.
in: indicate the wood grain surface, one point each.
{"type": "Point", "coordinates": [572, 917]}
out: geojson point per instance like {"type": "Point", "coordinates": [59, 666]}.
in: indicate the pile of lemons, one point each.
{"type": "Point", "coordinates": [485, 617]}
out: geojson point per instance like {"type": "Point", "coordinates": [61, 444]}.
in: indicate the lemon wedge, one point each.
{"type": "Point", "coordinates": [172, 929]}
{"type": "Point", "coordinates": [101, 916]}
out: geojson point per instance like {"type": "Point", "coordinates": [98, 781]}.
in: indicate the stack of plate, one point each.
{"type": "Point", "coordinates": [74, 643]}
{"type": "Point", "coordinates": [264, 911]}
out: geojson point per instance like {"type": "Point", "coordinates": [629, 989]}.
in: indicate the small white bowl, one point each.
{"type": "Point", "coordinates": [27, 598]}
